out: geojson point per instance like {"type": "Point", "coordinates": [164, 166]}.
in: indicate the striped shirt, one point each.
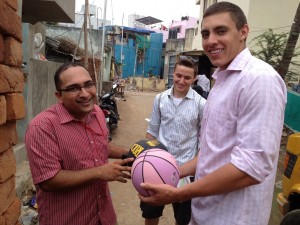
{"type": "Point", "coordinates": [177, 127]}
{"type": "Point", "coordinates": [56, 141]}
{"type": "Point", "coordinates": [242, 124]}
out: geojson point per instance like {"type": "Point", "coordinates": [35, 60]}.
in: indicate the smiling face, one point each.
{"type": "Point", "coordinates": [78, 104]}
{"type": "Point", "coordinates": [221, 40]}
{"type": "Point", "coordinates": [183, 78]}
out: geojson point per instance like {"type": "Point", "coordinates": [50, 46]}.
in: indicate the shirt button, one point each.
{"type": "Point", "coordinates": [92, 142]}
{"type": "Point", "coordinates": [96, 160]}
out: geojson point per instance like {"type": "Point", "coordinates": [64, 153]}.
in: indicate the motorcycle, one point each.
{"type": "Point", "coordinates": [108, 104]}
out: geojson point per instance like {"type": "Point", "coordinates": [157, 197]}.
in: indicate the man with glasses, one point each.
{"type": "Point", "coordinates": [68, 151]}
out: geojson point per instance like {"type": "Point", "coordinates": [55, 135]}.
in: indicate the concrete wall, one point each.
{"type": "Point", "coordinates": [40, 85]}
{"type": "Point", "coordinates": [146, 84]}
{"type": "Point", "coordinates": [175, 45]}
{"type": "Point", "coordinates": [189, 37]}
{"type": "Point", "coordinates": [12, 107]}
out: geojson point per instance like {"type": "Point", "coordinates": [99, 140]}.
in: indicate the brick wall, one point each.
{"type": "Point", "coordinates": [12, 107]}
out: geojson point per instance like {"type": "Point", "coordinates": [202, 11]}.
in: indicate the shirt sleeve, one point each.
{"type": "Point", "coordinates": [154, 124]}
{"type": "Point", "coordinates": [259, 127]}
{"type": "Point", "coordinates": [42, 151]}
{"type": "Point", "coordinates": [208, 84]}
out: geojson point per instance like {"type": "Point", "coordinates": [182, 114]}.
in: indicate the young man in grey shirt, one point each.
{"type": "Point", "coordinates": [175, 121]}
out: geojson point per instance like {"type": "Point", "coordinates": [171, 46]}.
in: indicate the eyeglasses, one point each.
{"type": "Point", "coordinates": [184, 57]}
{"type": "Point", "coordinates": [76, 89]}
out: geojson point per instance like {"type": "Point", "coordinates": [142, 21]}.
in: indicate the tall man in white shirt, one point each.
{"type": "Point", "coordinates": [240, 131]}
{"type": "Point", "coordinates": [175, 121]}
{"type": "Point", "coordinates": [204, 82]}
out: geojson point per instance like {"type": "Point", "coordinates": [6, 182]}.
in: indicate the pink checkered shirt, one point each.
{"type": "Point", "coordinates": [242, 124]}
{"type": "Point", "coordinates": [56, 141]}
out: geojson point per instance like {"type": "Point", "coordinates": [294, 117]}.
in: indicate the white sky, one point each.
{"type": "Point", "coordinates": [165, 10]}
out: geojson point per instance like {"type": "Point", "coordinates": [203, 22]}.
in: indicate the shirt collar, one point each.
{"type": "Point", "coordinates": [237, 64]}
{"type": "Point", "coordinates": [65, 116]}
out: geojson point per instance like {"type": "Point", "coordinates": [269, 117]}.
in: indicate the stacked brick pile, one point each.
{"type": "Point", "coordinates": [12, 107]}
{"type": "Point", "coordinates": [91, 66]}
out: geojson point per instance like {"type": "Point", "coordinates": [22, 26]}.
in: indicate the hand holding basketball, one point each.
{"type": "Point", "coordinates": [162, 194]}
{"type": "Point", "coordinates": [154, 166]}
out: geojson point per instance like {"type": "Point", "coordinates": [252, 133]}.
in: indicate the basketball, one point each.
{"type": "Point", "coordinates": [143, 145]}
{"type": "Point", "coordinates": [154, 166]}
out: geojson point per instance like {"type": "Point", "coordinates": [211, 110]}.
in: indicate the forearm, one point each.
{"type": "Point", "coordinates": [189, 168]}
{"type": "Point", "coordinates": [66, 179]}
{"type": "Point", "coordinates": [150, 136]}
{"type": "Point", "coordinates": [116, 151]}
{"type": "Point", "coordinates": [226, 179]}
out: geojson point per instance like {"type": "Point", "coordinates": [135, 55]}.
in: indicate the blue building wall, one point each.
{"type": "Point", "coordinates": [152, 62]}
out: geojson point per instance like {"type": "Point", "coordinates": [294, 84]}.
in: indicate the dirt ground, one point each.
{"type": "Point", "coordinates": [132, 127]}
{"type": "Point", "coordinates": [133, 109]}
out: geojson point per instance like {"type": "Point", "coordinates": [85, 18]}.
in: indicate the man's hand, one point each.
{"type": "Point", "coordinates": [116, 170]}
{"type": "Point", "coordinates": [163, 194]}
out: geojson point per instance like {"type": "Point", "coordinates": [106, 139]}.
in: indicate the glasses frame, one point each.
{"type": "Point", "coordinates": [76, 88]}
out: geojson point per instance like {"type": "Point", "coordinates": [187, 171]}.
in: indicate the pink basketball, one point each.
{"type": "Point", "coordinates": [155, 166]}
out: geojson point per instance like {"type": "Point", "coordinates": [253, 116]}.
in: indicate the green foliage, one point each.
{"type": "Point", "coordinates": [270, 47]}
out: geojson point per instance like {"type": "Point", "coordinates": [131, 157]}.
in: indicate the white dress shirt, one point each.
{"type": "Point", "coordinates": [177, 126]}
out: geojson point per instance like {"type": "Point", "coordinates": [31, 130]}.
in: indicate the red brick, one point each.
{"type": "Point", "coordinates": [7, 165]}
{"type": "Point", "coordinates": [8, 135]}
{"type": "Point", "coordinates": [2, 220]}
{"type": "Point", "coordinates": [11, 79]}
{"type": "Point", "coordinates": [7, 194]}
{"type": "Point", "coordinates": [4, 85]}
{"type": "Point", "coordinates": [13, 52]}
{"type": "Point", "coordinates": [13, 4]}
{"type": "Point", "coordinates": [2, 110]}
{"type": "Point", "coordinates": [15, 106]}
{"type": "Point", "coordinates": [10, 22]}
{"type": "Point", "coordinates": [1, 49]}
{"type": "Point", "coordinates": [13, 212]}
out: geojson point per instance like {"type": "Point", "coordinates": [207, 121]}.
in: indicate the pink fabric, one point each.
{"type": "Point", "coordinates": [56, 141]}
{"type": "Point", "coordinates": [242, 124]}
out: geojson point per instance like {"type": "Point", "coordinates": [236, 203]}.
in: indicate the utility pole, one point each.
{"type": "Point", "coordinates": [122, 42]}
{"type": "Point", "coordinates": [102, 49]}
{"type": "Point", "coordinates": [86, 14]}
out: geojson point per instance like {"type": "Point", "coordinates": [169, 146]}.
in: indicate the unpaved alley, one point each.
{"type": "Point", "coordinates": [132, 127]}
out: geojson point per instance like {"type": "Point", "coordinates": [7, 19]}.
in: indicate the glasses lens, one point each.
{"type": "Point", "coordinates": [89, 85]}
{"type": "Point", "coordinates": [73, 89]}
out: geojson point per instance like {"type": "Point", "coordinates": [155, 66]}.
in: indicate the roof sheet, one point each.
{"type": "Point", "coordinates": [148, 20]}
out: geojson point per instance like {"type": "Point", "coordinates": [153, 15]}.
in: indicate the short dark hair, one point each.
{"type": "Point", "coordinates": [187, 62]}
{"type": "Point", "coordinates": [61, 69]}
{"type": "Point", "coordinates": [235, 12]}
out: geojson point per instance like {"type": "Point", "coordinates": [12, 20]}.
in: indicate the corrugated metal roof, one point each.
{"type": "Point", "coordinates": [148, 20]}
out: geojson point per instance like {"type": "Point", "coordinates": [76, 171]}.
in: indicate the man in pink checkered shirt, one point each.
{"type": "Point", "coordinates": [240, 131]}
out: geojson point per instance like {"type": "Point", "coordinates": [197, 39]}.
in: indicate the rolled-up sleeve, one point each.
{"type": "Point", "coordinates": [154, 124]}
{"type": "Point", "coordinates": [259, 126]}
